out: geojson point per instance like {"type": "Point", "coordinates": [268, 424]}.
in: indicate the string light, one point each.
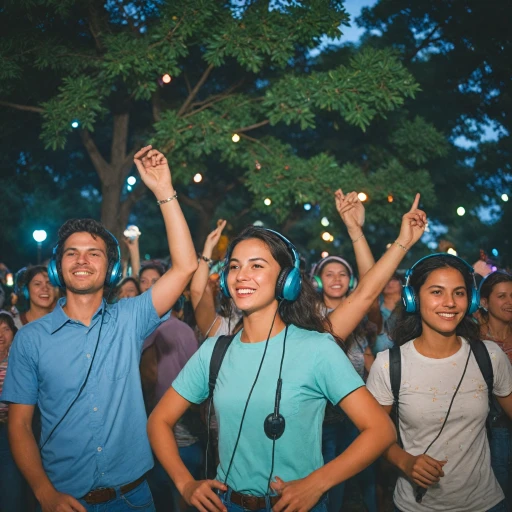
{"type": "Point", "coordinates": [324, 254]}
{"type": "Point", "coordinates": [461, 211]}
{"type": "Point", "coordinates": [235, 137]}
{"type": "Point", "coordinates": [131, 180]}
{"type": "Point", "coordinates": [326, 236]}
{"type": "Point", "coordinates": [198, 178]}
{"type": "Point", "coordinates": [390, 198]}
{"type": "Point", "coordinates": [166, 79]}
{"type": "Point", "coordinates": [495, 252]}
{"type": "Point", "coordinates": [307, 207]}
{"type": "Point", "coordinates": [267, 201]}
{"type": "Point", "coordinates": [331, 239]}
{"type": "Point", "coordinates": [324, 221]}
{"type": "Point", "coordinates": [362, 196]}
{"type": "Point", "coordinates": [504, 197]}
{"type": "Point", "coordinates": [75, 124]}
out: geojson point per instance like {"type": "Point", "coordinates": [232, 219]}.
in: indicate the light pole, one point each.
{"type": "Point", "coordinates": [39, 236]}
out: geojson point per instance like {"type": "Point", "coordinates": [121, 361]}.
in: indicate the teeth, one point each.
{"type": "Point", "coordinates": [245, 291]}
{"type": "Point", "coordinates": [82, 273]}
{"type": "Point", "coordinates": [447, 315]}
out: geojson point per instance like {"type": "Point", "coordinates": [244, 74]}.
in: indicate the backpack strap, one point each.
{"type": "Point", "coordinates": [484, 363]}
{"type": "Point", "coordinates": [219, 351]}
{"type": "Point", "coordinates": [395, 377]}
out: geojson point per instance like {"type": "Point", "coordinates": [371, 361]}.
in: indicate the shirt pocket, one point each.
{"type": "Point", "coordinates": [117, 360]}
{"type": "Point", "coordinates": [290, 400]}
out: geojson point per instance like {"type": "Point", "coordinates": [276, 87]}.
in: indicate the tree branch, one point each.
{"type": "Point", "coordinates": [119, 139]}
{"type": "Point", "coordinates": [423, 44]}
{"type": "Point", "coordinates": [156, 106]}
{"type": "Point", "coordinates": [99, 163]}
{"type": "Point", "coordinates": [17, 106]}
{"type": "Point", "coordinates": [195, 90]}
{"type": "Point", "coordinates": [252, 126]}
{"type": "Point", "coordinates": [193, 203]}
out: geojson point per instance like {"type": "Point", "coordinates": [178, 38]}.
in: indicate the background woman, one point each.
{"type": "Point", "coordinates": [437, 368]}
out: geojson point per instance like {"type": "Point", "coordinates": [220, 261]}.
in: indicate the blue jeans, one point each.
{"type": "Point", "coordinates": [225, 497]}
{"type": "Point", "coordinates": [336, 438]}
{"type": "Point", "coordinates": [137, 499]}
{"type": "Point", "coordinates": [13, 488]}
{"type": "Point", "coordinates": [501, 460]}
{"type": "Point", "coordinates": [167, 498]}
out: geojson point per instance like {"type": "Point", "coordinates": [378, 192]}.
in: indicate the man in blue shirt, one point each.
{"type": "Point", "coordinates": [94, 447]}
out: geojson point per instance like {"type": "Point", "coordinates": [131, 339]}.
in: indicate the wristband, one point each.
{"type": "Point", "coordinates": [401, 246]}
{"type": "Point", "coordinates": [169, 199]}
{"type": "Point", "coordinates": [358, 238]}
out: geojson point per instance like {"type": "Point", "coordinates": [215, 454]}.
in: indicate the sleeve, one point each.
{"type": "Point", "coordinates": [502, 370]}
{"type": "Point", "coordinates": [21, 381]}
{"type": "Point", "coordinates": [335, 376]}
{"type": "Point", "coordinates": [192, 382]}
{"type": "Point", "coordinates": [379, 382]}
{"type": "Point", "coordinates": [141, 311]}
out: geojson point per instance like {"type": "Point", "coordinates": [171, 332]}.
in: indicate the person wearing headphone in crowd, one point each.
{"type": "Point", "coordinates": [261, 453]}
{"type": "Point", "coordinates": [204, 291]}
{"type": "Point", "coordinates": [440, 392]}
{"type": "Point", "coordinates": [80, 364]}
{"type": "Point", "coordinates": [336, 280]}
{"type": "Point", "coordinates": [496, 316]}
{"type": "Point", "coordinates": [37, 291]}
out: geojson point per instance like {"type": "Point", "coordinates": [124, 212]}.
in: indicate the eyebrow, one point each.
{"type": "Point", "coordinates": [250, 259]}
{"type": "Point", "coordinates": [90, 249]}
{"type": "Point", "coordinates": [444, 287]}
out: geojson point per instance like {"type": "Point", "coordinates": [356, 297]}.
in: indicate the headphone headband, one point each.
{"type": "Point", "coordinates": [409, 298]}
{"type": "Point", "coordinates": [315, 272]}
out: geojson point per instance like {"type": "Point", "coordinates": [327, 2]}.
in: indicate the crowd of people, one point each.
{"type": "Point", "coordinates": [251, 382]}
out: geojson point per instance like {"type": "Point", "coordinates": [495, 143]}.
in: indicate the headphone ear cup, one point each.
{"type": "Point", "coordinates": [53, 273]}
{"type": "Point", "coordinates": [223, 282]}
{"type": "Point", "coordinates": [281, 282]}
{"type": "Point", "coordinates": [409, 299]}
{"type": "Point", "coordinates": [474, 303]}
{"type": "Point", "coordinates": [114, 273]}
{"type": "Point", "coordinates": [25, 292]}
{"type": "Point", "coordinates": [289, 284]}
{"type": "Point", "coordinates": [317, 284]}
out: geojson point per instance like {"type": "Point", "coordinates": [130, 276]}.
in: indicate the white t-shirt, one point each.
{"type": "Point", "coordinates": [426, 389]}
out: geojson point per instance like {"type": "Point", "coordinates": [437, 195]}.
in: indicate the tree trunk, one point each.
{"type": "Point", "coordinates": [111, 208]}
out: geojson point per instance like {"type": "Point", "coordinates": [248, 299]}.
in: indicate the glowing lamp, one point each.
{"type": "Point", "coordinates": [362, 197]}
{"type": "Point", "coordinates": [324, 221]}
{"type": "Point", "coordinates": [198, 178]}
{"type": "Point", "coordinates": [267, 201]}
{"type": "Point", "coordinates": [235, 137]}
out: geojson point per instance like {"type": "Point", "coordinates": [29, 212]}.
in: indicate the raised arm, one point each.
{"type": "Point", "coordinates": [155, 173]}
{"type": "Point", "coordinates": [26, 454]}
{"type": "Point", "coordinates": [203, 301]}
{"type": "Point", "coordinates": [133, 249]}
{"type": "Point", "coordinates": [350, 312]}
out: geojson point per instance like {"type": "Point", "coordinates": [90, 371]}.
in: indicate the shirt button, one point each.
{"type": "Point", "coordinates": [99, 448]}
{"type": "Point", "coordinates": [88, 356]}
{"type": "Point", "coordinates": [95, 409]}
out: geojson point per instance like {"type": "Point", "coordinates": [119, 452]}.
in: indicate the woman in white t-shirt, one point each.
{"type": "Point", "coordinates": [438, 368]}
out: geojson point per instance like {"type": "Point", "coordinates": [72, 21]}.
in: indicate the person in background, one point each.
{"type": "Point", "coordinates": [496, 318]}
{"type": "Point", "coordinates": [37, 290]}
{"type": "Point", "coordinates": [128, 287]}
{"type": "Point", "coordinates": [13, 488]}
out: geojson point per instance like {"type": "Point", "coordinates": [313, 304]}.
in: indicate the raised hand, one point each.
{"type": "Point", "coordinates": [213, 238]}
{"type": "Point", "coordinates": [297, 495]}
{"type": "Point", "coordinates": [154, 170]}
{"type": "Point", "coordinates": [413, 226]}
{"type": "Point", "coordinates": [350, 208]}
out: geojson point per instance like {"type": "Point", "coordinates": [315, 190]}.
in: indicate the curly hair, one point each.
{"type": "Point", "coordinates": [303, 312]}
{"type": "Point", "coordinates": [408, 326]}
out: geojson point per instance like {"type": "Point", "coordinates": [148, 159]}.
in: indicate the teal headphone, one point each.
{"type": "Point", "coordinates": [289, 281]}
{"type": "Point", "coordinates": [315, 273]}
{"type": "Point", "coordinates": [410, 301]}
{"type": "Point", "coordinates": [112, 278]}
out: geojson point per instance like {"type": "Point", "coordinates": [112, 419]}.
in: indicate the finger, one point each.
{"type": "Point", "coordinates": [212, 502]}
{"type": "Point", "coordinates": [347, 208]}
{"type": "Point", "coordinates": [76, 505]}
{"type": "Point", "coordinates": [416, 203]}
{"type": "Point", "coordinates": [352, 197]}
{"type": "Point", "coordinates": [142, 152]}
{"type": "Point", "coordinates": [342, 195]}
{"type": "Point", "coordinates": [215, 484]}
{"type": "Point", "coordinates": [428, 473]}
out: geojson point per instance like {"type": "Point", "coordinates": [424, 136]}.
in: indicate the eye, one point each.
{"type": "Point", "coordinates": [257, 265]}
{"type": "Point", "coordinates": [232, 266]}
{"type": "Point", "coordinates": [436, 292]}
{"type": "Point", "coordinates": [461, 293]}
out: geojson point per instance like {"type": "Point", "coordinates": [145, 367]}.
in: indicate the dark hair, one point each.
{"type": "Point", "coordinates": [154, 265]}
{"type": "Point", "coordinates": [32, 272]}
{"type": "Point", "coordinates": [91, 226]}
{"type": "Point", "coordinates": [6, 318]}
{"type": "Point", "coordinates": [408, 326]}
{"type": "Point", "coordinates": [303, 312]}
{"type": "Point", "coordinates": [488, 284]}
{"type": "Point", "coordinates": [126, 280]}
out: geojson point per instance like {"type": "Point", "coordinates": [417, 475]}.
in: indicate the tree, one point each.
{"type": "Point", "coordinates": [235, 69]}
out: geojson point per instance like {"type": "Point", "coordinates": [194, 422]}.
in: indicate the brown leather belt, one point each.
{"type": "Point", "coordinates": [97, 496]}
{"type": "Point", "coordinates": [252, 502]}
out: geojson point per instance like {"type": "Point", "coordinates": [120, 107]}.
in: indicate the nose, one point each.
{"type": "Point", "coordinates": [449, 301]}
{"type": "Point", "coordinates": [242, 273]}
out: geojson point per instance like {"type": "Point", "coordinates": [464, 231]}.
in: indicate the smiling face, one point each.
{"type": "Point", "coordinates": [499, 303]}
{"type": "Point", "coordinates": [252, 276]}
{"type": "Point", "coordinates": [335, 280]}
{"type": "Point", "coordinates": [41, 292]}
{"type": "Point", "coordinates": [6, 337]}
{"type": "Point", "coordinates": [84, 263]}
{"type": "Point", "coordinates": [443, 301]}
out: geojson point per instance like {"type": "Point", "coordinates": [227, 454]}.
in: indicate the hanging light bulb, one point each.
{"type": "Point", "coordinates": [362, 197]}
{"type": "Point", "coordinates": [198, 178]}
{"type": "Point", "coordinates": [461, 211]}
{"type": "Point", "coordinates": [267, 201]}
{"type": "Point", "coordinates": [166, 79]}
{"type": "Point", "coordinates": [390, 198]}
{"type": "Point", "coordinates": [324, 221]}
{"type": "Point", "coordinates": [235, 137]}
{"type": "Point", "coordinates": [324, 254]}
{"type": "Point", "coordinates": [326, 236]}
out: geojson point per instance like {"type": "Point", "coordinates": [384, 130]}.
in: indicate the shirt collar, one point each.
{"type": "Point", "coordinates": [59, 318]}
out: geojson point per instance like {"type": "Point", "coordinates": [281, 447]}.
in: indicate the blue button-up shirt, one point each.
{"type": "Point", "coordinates": [102, 441]}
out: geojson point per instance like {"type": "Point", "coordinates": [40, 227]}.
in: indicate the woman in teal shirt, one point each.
{"type": "Point", "coordinates": [281, 339]}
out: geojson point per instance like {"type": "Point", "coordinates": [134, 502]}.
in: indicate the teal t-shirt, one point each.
{"type": "Point", "coordinates": [315, 370]}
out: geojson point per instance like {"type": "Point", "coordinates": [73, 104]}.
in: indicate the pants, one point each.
{"type": "Point", "coordinates": [13, 488]}
{"type": "Point", "coordinates": [336, 438]}
{"type": "Point", "coordinates": [501, 460]}
{"type": "Point", "coordinates": [225, 497]}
